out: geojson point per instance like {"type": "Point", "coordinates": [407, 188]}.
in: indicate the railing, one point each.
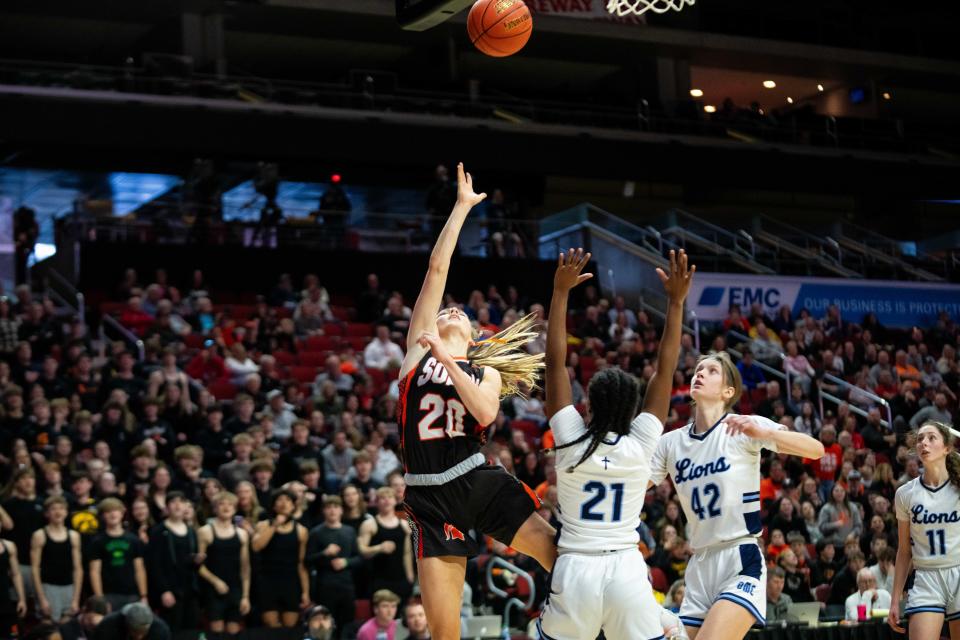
{"type": "Point", "coordinates": [693, 327]}
{"type": "Point", "coordinates": [79, 302]}
{"type": "Point", "coordinates": [783, 375]}
{"type": "Point", "coordinates": [125, 333]}
{"type": "Point", "coordinates": [489, 105]}
{"type": "Point", "coordinates": [512, 602]}
{"type": "Point", "coordinates": [863, 392]}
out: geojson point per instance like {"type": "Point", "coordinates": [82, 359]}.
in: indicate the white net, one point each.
{"type": "Point", "coordinates": [639, 7]}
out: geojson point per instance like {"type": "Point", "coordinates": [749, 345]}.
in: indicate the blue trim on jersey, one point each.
{"type": "Point", "coordinates": [619, 435]}
{"type": "Point", "coordinates": [753, 522]}
{"type": "Point", "coordinates": [708, 431]}
{"type": "Point", "coordinates": [953, 616]}
{"type": "Point", "coordinates": [751, 561]}
{"type": "Point", "coordinates": [691, 622]}
{"type": "Point", "coordinates": [749, 494]}
{"type": "Point", "coordinates": [746, 604]}
{"type": "Point", "coordinates": [543, 635]}
{"type": "Point", "coordinates": [931, 489]}
{"type": "Point", "coordinates": [929, 609]}
{"type": "Point", "coordinates": [660, 637]}
{"type": "Point", "coordinates": [747, 499]}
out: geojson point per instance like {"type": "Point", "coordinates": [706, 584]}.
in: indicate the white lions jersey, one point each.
{"type": "Point", "coordinates": [717, 478]}
{"type": "Point", "coordinates": [934, 517]}
{"type": "Point", "coordinates": [601, 499]}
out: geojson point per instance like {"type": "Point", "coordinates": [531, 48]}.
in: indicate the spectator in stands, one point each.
{"type": "Point", "coordinates": [372, 301]}
{"type": "Point", "coordinates": [796, 579]}
{"type": "Point", "coordinates": [839, 517]}
{"type": "Point", "coordinates": [807, 422]}
{"type": "Point", "coordinates": [383, 624]}
{"type": "Point", "coordinates": [83, 624]}
{"type": "Point", "coordinates": [620, 308]}
{"type": "Point", "coordinates": [875, 436]}
{"type": "Point", "coordinates": [883, 364]}
{"type": "Point", "coordinates": [332, 372]}
{"type": "Point", "coordinates": [937, 411]}
{"type": "Point", "coordinates": [134, 622]}
{"type": "Point", "coordinates": [135, 318]}
{"type": "Point", "coordinates": [331, 552]}
{"type": "Point", "coordinates": [883, 571]}
{"type": "Point", "coordinates": [766, 345]}
{"type": "Point", "coordinates": [385, 541]}
{"type": "Point", "coordinates": [860, 605]}
{"type": "Point", "coordinates": [56, 564]}
{"type": "Point", "coordinates": [9, 328]}
{"type": "Point", "coordinates": [171, 567]}
{"type": "Point", "coordinates": [117, 569]}
{"type": "Point", "coordinates": [238, 469]}
{"type": "Point", "coordinates": [777, 601]}
{"type": "Point", "coordinates": [799, 368]}
{"type": "Point", "coordinates": [750, 372]}
{"type": "Point", "coordinates": [320, 625]}
{"type": "Point", "coordinates": [282, 414]}
{"type": "Point", "coordinates": [415, 620]}
{"type": "Point", "coordinates": [239, 365]}
{"type": "Point", "coordinates": [735, 321]}
{"type": "Point", "coordinates": [243, 417]}
{"type": "Point", "coordinates": [338, 461]}
{"type": "Point", "coordinates": [382, 353]}
{"type": "Point", "coordinates": [845, 581]}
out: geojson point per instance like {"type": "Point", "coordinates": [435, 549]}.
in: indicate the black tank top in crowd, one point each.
{"type": "Point", "coordinates": [6, 583]}
{"type": "Point", "coordinates": [223, 558]}
{"type": "Point", "coordinates": [281, 556]}
{"type": "Point", "coordinates": [436, 430]}
{"type": "Point", "coordinates": [56, 559]}
{"type": "Point", "coordinates": [388, 567]}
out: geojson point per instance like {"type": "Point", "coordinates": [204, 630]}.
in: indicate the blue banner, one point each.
{"type": "Point", "coordinates": [896, 304]}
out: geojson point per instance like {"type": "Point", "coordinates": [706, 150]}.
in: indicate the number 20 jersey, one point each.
{"type": "Point", "coordinates": [717, 478]}
{"type": "Point", "coordinates": [436, 430]}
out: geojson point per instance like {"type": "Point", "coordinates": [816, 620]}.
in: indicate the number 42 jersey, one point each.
{"type": "Point", "coordinates": [717, 478]}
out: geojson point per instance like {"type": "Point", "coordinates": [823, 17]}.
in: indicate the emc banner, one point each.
{"type": "Point", "coordinates": [896, 304]}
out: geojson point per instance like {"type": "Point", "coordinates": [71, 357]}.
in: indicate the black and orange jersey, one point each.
{"type": "Point", "coordinates": [436, 430]}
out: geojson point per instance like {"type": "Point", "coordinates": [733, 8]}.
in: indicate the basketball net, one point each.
{"type": "Point", "coordinates": [639, 7]}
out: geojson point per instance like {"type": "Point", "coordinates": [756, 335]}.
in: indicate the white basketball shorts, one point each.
{"type": "Point", "coordinates": [609, 591]}
{"type": "Point", "coordinates": [734, 572]}
{"type": "Point", "coordinates": [935, 591]}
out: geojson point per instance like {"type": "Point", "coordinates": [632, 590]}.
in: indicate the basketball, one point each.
{"type": "Point", "coordinates": [499, 28]}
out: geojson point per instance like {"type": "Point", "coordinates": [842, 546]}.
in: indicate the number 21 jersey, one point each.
{"type": "Point", "coordinates": [717, 478]}
{"type": "Point", "coordinates": [436, 430]}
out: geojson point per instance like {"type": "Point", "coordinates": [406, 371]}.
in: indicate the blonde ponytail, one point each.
{"type": "Point", "coordinates": [505, 353]}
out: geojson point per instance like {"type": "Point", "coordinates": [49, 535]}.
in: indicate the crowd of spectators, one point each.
{"type": "Point", "coordinates": [285, 410]}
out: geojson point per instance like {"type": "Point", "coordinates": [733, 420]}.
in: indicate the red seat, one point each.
{"type": "Point", "coordinates": [312, 358]}
{"type": "Point", "coordinates": [359, 329]}
{"type": "Point", "coordinates": [362, 610]}
{"type": "Point", "coordinates": [588, 366]}
{"type": "Point", "coordinates": [194, 340]}
{"type": "Point", "coordinates": [320, 343]}
{"type": "Point", "coordinates": [222, 390]}
{"type": "Point", "coordinates": [659, 580]}
{"type": "Point", "coordinates": [379, 379]}
{"type": "Point", "coordinates": [822, 592]}
{"type": "Point", "coordinates": [341, 313]}
{"type": "Point", "coordinates": [283, 358]}
{"type": "Point", "coordinates": [303, 374]}
{"type": "Point", "coordinates": [358, 343]}
{"type": "Point", "coordinates": [530, 430]}
{"type": "Point", "coordinates": [333, 329]}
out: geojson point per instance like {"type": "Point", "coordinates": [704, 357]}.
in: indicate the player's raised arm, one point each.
{"type": "Point", "coordinates": [567, 276]}
{"type": "Point", "coordinates": [424, 316]}
{"type": "Point", "coordinates": [676, 284]}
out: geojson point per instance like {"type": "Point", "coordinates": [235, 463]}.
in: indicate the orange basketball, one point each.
{"type": "Point", "coordinates": [499, 27]}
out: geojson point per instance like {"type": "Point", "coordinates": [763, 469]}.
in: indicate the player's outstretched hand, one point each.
{"type": "Point", "coordinates": [747, 426]}
{"type": "Point", "coordinates": [677, 282]}
{"type": "Point", "coordinates": [569, 266]}
{"type": "Point", "coordinates": [465, 194]}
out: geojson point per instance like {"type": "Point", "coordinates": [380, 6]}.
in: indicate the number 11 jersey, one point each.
{"type": "Point", "coordinates": [717, 478]}
{"type": "Point", "coordinates": [436, 430]}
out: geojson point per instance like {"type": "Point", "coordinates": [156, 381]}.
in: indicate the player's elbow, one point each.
{"type": "Point", "coordinates": [816, 449]}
